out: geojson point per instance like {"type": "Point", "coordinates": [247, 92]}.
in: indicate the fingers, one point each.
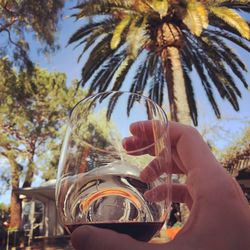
{"type": "Point", "coordinates": [190, 154]}
{"type": "Point", "coordinates": [138, 145]}
{"type": "Point", "coordinates": [162, 164]}
{"type": "Point", "coordinates": [178, 167]}
{"type": "Point", "coordinates": [148, 138]}
{"type": "Point", "coordinates": [151, 172]}
{"type": "Point", "coordinates": [155, 169]}
{"type": "Point", "coordinates": [149, 128]}
{"type": "Point", "coordinates": [180, 194]}
{"type": "Point", "coordinates": [142, 128]}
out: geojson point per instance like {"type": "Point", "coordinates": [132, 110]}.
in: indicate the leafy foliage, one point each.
{"type": "Point", "coordinates": [238, 151]}
{"type": "Point", "coordinates": [201, 31]}
{"type": "Point", "coordinates": [19, 18]}
{"type": "Point", "coordinates": [33, 109]}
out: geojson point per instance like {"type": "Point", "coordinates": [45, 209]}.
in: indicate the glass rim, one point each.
{"type": "Point", "coordinates": [85, 99]}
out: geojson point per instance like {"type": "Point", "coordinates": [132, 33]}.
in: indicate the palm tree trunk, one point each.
{"type": "Point", "coordinates": [173, 71]}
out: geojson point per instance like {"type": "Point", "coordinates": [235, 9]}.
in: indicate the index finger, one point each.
{"type": "Point", "coordinates": [148, 128]}
{"type": "Point", "coordinates": [152, 129]}
{"type": "Point", "coordinates": [147, 137]}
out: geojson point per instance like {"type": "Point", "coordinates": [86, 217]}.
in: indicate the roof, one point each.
{"type": "Point", "coordinates": [45, 192]}
{"type": "Point", "coordinates": [239, 161]}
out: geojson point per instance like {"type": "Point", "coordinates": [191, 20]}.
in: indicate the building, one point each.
{"type": "Point", "coordinates": [238, 165]}
{"type": "Point", "coordinates": [39, 214]}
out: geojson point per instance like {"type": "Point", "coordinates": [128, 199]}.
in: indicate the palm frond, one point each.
{"type": "Point", "coordinates": [233, 19]}
{"type": "Point", "coordinates": [218, 73]}
{"type": "Point", "coordinates": [157, 85]}
{"type": "Point", "coordinates": [121, 73]}
{"type": "Point", "coordinates": [88, 29]}
{"type": "Point", "coordinates": [88, 34]}
{"type": "Point", "coordinates": [141, 76]}
{"type": "Point", "coordinates": [103, 7]}
{"type": "Point", "coordinates": [104, 82]}
{"type": "Point", "coordinates": [196, 17]}
{"type": "Point", "coordinates": [136, 36]}
{"type": "Point", "coordinates": [116, 39]}
{"type": "Point", "coordinates": [90, 9]}
{"type": "Point", "coordinates": [197, 59]}
{"type": "Point", "coordinates": [217, 62]}
{"type": "Point", "coordinates": [104, 75]}
{"type": "Point", "coordinates": [112, 104]}
{"type": "Point", "coordinates": [242, 5]}
{"type": "Point", "coordinates": [154, 59]}
{"type": "Point", "coordinates": [220, 25]}
{"type": "Point", "coordinates": [94, 60]}
{"type": "Point", "coordinates": [89, 41]}
{"type": "Point", "coordinates": [160, 6]}
{"type": "Point", "coordinates": [186, 61]}
{"type": "Point", "coordinates": [190, 93]}
{"type": "Point", "coordinates": [221, 81]}
{"type": "Point", "coordinates": [229, 57]}
{"type": "Point", "coordinates": [108, 78]}
{"type": "Point", "coordinates": [140, 80]}
{"type": "Point", "coordinates": [225, 89]}
{"type": "Point", "coordinates": [230, 37]}
{"type": "Point", "coordinates": [228, 52]}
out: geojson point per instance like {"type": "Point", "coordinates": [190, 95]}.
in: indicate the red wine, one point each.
{"type": "Point", "coordinates": [142, 231]}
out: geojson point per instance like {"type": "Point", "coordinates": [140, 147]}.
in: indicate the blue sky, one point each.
{"type": "Point", "coordinates": [221, 132]}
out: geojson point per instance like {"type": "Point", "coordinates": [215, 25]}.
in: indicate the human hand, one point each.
{"type": "Point", "coordinates": [219, 216]}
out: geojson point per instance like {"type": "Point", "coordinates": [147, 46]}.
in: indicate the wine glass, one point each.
{"type": "Point", "coordinates": [98, 180]}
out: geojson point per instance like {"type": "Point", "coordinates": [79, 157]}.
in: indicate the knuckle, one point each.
{"type": "Point", "coordinates": [191, 131]}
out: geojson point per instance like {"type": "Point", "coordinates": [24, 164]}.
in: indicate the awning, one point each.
{"type": "Point", "coordinates": [44, 192]}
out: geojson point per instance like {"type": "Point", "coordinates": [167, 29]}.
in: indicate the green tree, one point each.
{"type": "Point", "coordinates": [18, 18]}
{"type": "Point", "coordinates": [33, 108]}
{"type": "Point", "coordinates": [169, 39]}
{"type": "Point", "coordinates": [236, 156]}
{"type": "Point", "coordinates": [48, 153]}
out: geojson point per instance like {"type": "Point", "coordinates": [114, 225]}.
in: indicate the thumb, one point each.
{"type": "Point", "coordinates": [93, 238]}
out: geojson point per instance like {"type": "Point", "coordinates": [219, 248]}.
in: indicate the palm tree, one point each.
{"type": "Point", "coordinates": [164, 40]}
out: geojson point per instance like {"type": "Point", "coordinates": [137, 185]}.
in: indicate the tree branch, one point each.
{"type": "Point", "coordinates": [11, 41]}
{"type": "Point", "coordinates": [9, 129]}
{"type": "Point", "coordinates": [7, 25]}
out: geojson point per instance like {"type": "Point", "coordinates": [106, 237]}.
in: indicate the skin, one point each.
{"type": "Point", "coordinates": [219, 212]}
